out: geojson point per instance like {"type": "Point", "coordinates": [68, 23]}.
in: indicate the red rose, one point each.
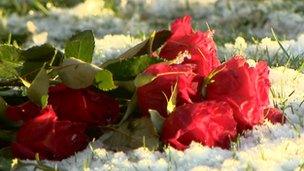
{"type": "Point", "coordinates": [245, 88]}
{"type": "Point", "coordinates": [153, 95]}
{"type": "Point", "coordinates": [80, 105]}
{"type": "Point", "coordinates": [52, 139]}
{"type": "Point", "coordinates": [199, 44]}
{"type": "Point", "coordinates": [274, 115]}
{"type": "Point", "coordinates": [210, 123]}
{"type": "Point", "coordinates": [23, 112]}
{"type": "Point", "coordinates": [83, 105]}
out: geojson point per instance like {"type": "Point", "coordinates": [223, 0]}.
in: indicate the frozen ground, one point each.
{"type": "Point", "coordinates": [267, 147]}
{"type": "Point", "coordinates": [239, 18]}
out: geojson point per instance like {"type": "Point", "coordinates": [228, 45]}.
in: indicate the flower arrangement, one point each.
{"type": "Point", "coordinates": [170, 89]}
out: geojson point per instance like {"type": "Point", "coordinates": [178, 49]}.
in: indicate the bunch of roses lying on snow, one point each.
{"type": "Point", "coordinates": [199, 99]}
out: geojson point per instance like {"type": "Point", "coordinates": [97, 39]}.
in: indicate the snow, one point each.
{"type": "Point", "coordinates": [266, 147]}
{"type": "Point", "coordinates": [135, 17]}
{"type": "Point", "coordinates": [283, 16]}
{"type": "Point", "coordinates": [266, 48]}
{"type": "Point", "coordinates": [61, 24]}
{"type": "Point", "coordinates": [112, 46]}
{"type": "Point", "coordinates": [273, 147]}
{"type": "Point", "coordinates": [287, 85]}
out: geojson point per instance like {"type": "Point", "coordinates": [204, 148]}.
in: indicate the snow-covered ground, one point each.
{"type": "Point", "coordinates": [266, 147]}
{"type": "Point", "coordinates": [136, 17]}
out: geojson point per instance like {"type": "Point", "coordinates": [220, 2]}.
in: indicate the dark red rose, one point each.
{"type": "Point", "coordinates": [22, 112]}
{"type": "Point", "coordinates": [83, 105]}
{"type": "Point", "coordinates": [245, 88]}
{"type": "Point", "coordinates": [153, 95]}
{"type": "Point", "coordinates": [210, 123]}
{"type": "Point", "coordinates": [52, 139]}
{"type": "Point", "coordinates": [274, 115]}
{"type": "Point", "coordinates": [199, 44]}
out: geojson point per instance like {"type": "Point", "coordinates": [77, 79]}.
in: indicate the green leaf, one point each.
{"type": "Point", "coordinates": [25, 83]}
{"type": "Point", "coordinates": [38, 91]}
{"type": "Point", "coordinates": [131, 106]}
{"type": "Point", "coordinates": [172, 100]}
{"type": "Point", "coordinates": [132, 134]}
{"type": "Point", "coordinates": [157, 120]}
{"type": "Point", "coordinates": [29, 70]}
{"type": "Point", "coordinates": [9, 61]}
{"type": "Point", "coordinates": [6, 158]}
{"type": "Point", "coordinates": [36, 57]}
{"type": "Point", "coordinates": [209, 79]}
{"type": "Point", "coordinates": [8, 70]}
{"type": "Point", "coordinates": [143, 79]}
{"type": "Point", "coordinates": [9, 53]}
{"type": "Point", "coordinates": [7, 135]}
{"type": "Point", "coordinates": [81, 46]}
{"type": "Point", "coordinates": [5, 164]}
{"type": "Point", "coordinates": [104, 80]}
{"type": "Point", "coordinates": [77, 74]}
{"type": "Point", "coordinates": [126, 85]}
{"type": "Point", "coordinates": [151, 44]}
{"type": "Point", "coordinates": [6, 152]}
{"type": "Point", "coordinates": [40, 53]}
{"type": "Point", "coordinates": [124, 70]}
{"type": "Point", "coordinates": [3, 105]}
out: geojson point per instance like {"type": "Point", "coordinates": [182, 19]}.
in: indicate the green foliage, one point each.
{"type": "Point", "coordinates": [9, 61]}
{"type": "Point", "coordinates": [5, 164]}
{"type": "Point", "coordinates": [143, 79]}
{"type": "Point", "coordinates": [40, 53]}
{"type": "Point", "coordinates": [77, 74]}
{"type": "Point", "coordinates": [3, 106]}
{"type": "Point", "coordinates": [81, 46]}
{"type": "Point", "coordinates": [104, 80]}
{"type": "Point", "coordinates": [6, 136]}
{"type": "Point", "coordinates": [8, 70]}
{"type": "Point", "coordinates": [15, 62]}
{"type": "Point", "coordinates": [131, 107]}
{"type": "Point", "coordinates": [129, 68]}
{"type": "Point", "coordinates": [157, 120]}
{"type": "Point", "coordinates": [38, 90]}
{"type": "Point", "coordinates": [6, 153]}
{"type": "Point", "coordinates": [146, 47]}
{"type": "Point", "coordinates": [9, 53]}
{"type": "Point", "coordinates": [35, 57]}
{"type": "Point", "coordinates": [132, 134]}
{"type": "Point", "coordinates": [172, 100]}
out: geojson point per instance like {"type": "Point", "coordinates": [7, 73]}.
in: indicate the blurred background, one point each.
{"type": "Point", "coordinates": [237, 23]}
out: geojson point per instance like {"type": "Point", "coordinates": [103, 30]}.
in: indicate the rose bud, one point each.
{"type": "Point", "coordinates": [83, 105]}
{"type": "Point", "coordinates": [155, 94]}
{"type": "Point", "coordinates": [50, 138]}
{"type": "Point", "coordinates": [245, 88]}
{"type": "Point", "coordinates": [210, 123]}
{"type": "Point", "coordinates": [274, 115]}
{"type": "Point", "coordinates": [200, 45]}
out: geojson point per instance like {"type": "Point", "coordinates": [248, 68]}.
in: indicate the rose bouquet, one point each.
{"type": "Point", "coordinates": [171, 89]}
